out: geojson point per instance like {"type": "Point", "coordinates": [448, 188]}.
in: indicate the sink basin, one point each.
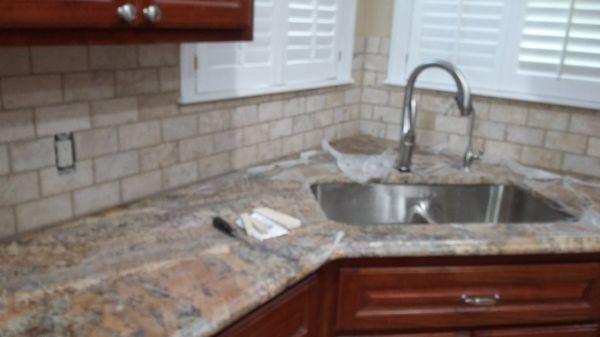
{"type": "Point", "coordinates": [421, 204]}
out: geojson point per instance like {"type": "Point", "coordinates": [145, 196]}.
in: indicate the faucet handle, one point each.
{"type": "Point", "coordinates": [470, 156]}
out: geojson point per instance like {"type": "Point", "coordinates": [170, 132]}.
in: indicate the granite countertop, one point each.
{"type": "Point", "coordinates": [158, 268]}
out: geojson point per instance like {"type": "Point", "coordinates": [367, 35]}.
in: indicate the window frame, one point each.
{"type": "Point", "coordinates": [398, 71]}
{"type": "Point", "coordinates": [188, 67]}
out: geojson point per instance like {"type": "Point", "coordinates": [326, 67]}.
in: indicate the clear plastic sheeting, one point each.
{"type": "Point", "coordinates": [363, 168]}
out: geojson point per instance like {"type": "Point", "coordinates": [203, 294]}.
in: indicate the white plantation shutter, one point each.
{"type": "Point", "coordinates": [232, 66]}
{"type": "Point", "coordinates": [311, 44]}
{"type": "Point", "coordinates": [468, 33]}
{"type": "Point", "coordinates": [538, 50]}
{"type": "Point", "coordinates": [556, 54]}
{"type": "Point", "coordinates": [298, 44]}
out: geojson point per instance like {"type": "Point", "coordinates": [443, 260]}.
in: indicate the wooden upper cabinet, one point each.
{"type": "Point", "coordinates": [224, 14]}
{"type": "Point", "coordinates": [47, 22]}
{"type": "Point", "coordinates": [61, 14]}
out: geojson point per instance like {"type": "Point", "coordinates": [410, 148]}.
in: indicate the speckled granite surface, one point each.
{"type": "Point", "coordinates": [158, 268]}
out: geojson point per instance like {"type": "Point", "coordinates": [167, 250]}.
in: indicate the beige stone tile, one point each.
{"type": "Point", "coordinates": [54, 182]}
{"type": "Point", "coordinates": [303, 123]}
{"type": "Point", "coordinates": [89, 86]}
{"type": "Point", "coordinates": [196, 147]}
{"type": "Point", "coordinates": [375, 129]}
{"type": "Point", "coordinates": [157, 106]}
{"type": "Point", "coordinates": [452, 124]}
{"type": "Point", "coordinates": [16, 125]}
{"type": "Point", "coordinates": [96, 198]}
{"type": "Point", "coordinates": [372, 44]}
{"type": "Point", "coordinates": [539, 157]}
{"type": "Point", "coordinates": [244, 156]}
{"type": "Point", "coordinates": [113, 56]}
{"type": "Point", "coordinates": [270, 111]}
{"type": "Point", "coordinates": [323, 118]}
{"type": "Point", "coordinates": [4, 160]}
{"type": "Point", "coordinates": [14, 61]}
{"type": "Point", "coordinates": [593, 148]}
{"type": "Point", "coordinates": [366, 111]}
{"type": "Point", "coordinates": [384, 46]}
{"type": "Point", "coordinates": [315, 103]}
{"type": "Point", "coordinates": [294, 106]}
{"type": "Point", "coordinates": [292, 144]}
{"type": "Point", "coordinates": [397, 99]}
{"type": "Point", "coordinates": [280, 128]}
{"type": "Point", "coordinates": [62, 118]}
{"type": "Point", "coordinates": [141, 185]}
{"type": "Point", "coordinates": [375, 96]}
{"type": "Point", "coordinates": [7, 222]}
{"type": "Point", "coordinates": [214, 165]}
{"type": "Point", "coordinates": [114, 111]}
{"type": "Point", "coordinates": [387, 114]}
{"type": "Point", "coordinates": [30, 155]}
{"type": "Point", "coordinates": [352, 96]}
{"type": "Point", "coordinates": [376, 63]}
{"type": "Point", "coordinates": [216, 120]}
{"type": "Point", "coordinates": [244, 115]}
{"type": "Point", "coordinates": [392, 132]}
{"type": "Point", "coordinates": [359, 44]}
{"type": "Point", "coordinates": [180, 174]}
{"type": "Point", "coordinates": [524, 135]}
{"type": "Point", "coordinates": [159, 156]}
{"type": "Point", "coordinates": [115, 166]}
{"type": "Point", "coordinates": [566, 142]}
{"type": "Point", "coordinates": [269, 150]}
{"type": "Point", "coordinates": [508, 113]}
{"type": "Point", "coordinates": [496, 150]}
{"type": "Point", "coordinates": [589, 166]}
{"type": "Point", "coordinates": [96, 142]}
{"type": "Point", "coordinates": [169, 79]}
{"type": "Point", "coordinates": [179, 127]}
{"type": "Point", "coordinates": [158, 55]}
{"type": "Point", "coordinates": [228, 140]}
{"type": "Point", "coordinates": [334, 99]}
{"type": "Point", "coordinates": [427, 138]}
{"type": "Point", "coordinates": [17, 188]}
{"type": "Point", "coordinates": [134, 82]}
{"type": "Point", "coordinates": [58, 59]}
{"type": "Point", "coordinates": [586, 124]}
{"type": "Point", "coordinates": [30, 91]}
{"type": "Point", "coordinates": [440, 103]}
{"type": "Point", "coordinates": [255, 134]}
{"type": "Point", "coordinates": [489, 130]}
{"type": "Point", "coordinates": [548, 119]}
{"type": "Point", "coordinates": [312, 139]}
{"type": "Point", "coordinates": [138, 135]}
{"type": "Point", "coordinates": [39, 213]}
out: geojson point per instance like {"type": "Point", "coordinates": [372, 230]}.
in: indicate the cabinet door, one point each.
{"type": "Point", "coordinates": [292, 314]}
{"type": "Point", "coordinates": [62, 13]}
{"type": "Point", "coordinates": [590, 330]}
{"type": "Point", "coordinates": [199, 14]}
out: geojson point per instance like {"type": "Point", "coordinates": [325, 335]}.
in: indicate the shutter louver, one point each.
{"type": "Point", "coordinates": [468, 33]}
{"type": "Point", "coordinates": [310, 53]}
{"type": "Point", "coordinates": [561, 39]}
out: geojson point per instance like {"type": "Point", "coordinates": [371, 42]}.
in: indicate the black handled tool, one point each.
{"type": "Point", "coordinates": [224, 226]}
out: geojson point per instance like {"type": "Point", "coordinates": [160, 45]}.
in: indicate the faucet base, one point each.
{"type": "Point", "coordinates": [403, 168]}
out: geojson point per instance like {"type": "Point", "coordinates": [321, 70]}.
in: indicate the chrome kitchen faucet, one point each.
{"type": "Point", "coordinates": [409, 114]}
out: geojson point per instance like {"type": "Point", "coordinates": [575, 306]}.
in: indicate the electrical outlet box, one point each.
{"type": "Point", "coordinates": [64, 146]}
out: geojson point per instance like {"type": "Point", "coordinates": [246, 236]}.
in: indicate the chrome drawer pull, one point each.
{"type": "Point", "coordinates": [481, 300]}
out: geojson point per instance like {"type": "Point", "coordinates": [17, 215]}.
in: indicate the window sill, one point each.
{"type": "Point", "coordinates": [225, 95]}
{"type": "Point", "coordinates": [543, 99]}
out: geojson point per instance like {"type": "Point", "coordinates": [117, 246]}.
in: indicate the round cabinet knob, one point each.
{"type": "Point", "coordinates": [152, 13]}
{"type": "Point", "coordinates": [127, 12]}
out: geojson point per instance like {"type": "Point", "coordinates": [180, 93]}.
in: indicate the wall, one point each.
{"type": "Point", "coordinates": [545, 136]}
{"type": "Point", "coordinates": [132, 138]}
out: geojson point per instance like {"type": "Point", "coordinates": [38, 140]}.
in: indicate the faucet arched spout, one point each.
{"type": "Point", "coordinates": [407, 127]}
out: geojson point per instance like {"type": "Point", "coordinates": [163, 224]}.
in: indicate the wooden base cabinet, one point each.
{"type": "Point", "coordinates": [540, 296]}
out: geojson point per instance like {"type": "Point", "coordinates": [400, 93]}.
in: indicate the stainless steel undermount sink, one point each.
{"type": "Point", "coordinates": [421, 204]}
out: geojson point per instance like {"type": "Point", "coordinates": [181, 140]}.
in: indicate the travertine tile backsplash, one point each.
{"type": "Point", "coordinates": [132, 138]}
{"type": "Point", "coordinates": [545, 136]}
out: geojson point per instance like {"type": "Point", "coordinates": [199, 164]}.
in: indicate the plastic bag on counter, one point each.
{"type": "Point", "coordinates": [362, 168]}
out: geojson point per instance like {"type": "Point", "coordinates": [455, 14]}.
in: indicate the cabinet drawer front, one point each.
{"type": "Point", "coordinates": [207, 14]}
{"type": "Point", "coordinates": [292, 314]}
{"type": "Point", "coordinates": [590, 330]}
{"type": "Point", "coordinates": [380, 299]}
